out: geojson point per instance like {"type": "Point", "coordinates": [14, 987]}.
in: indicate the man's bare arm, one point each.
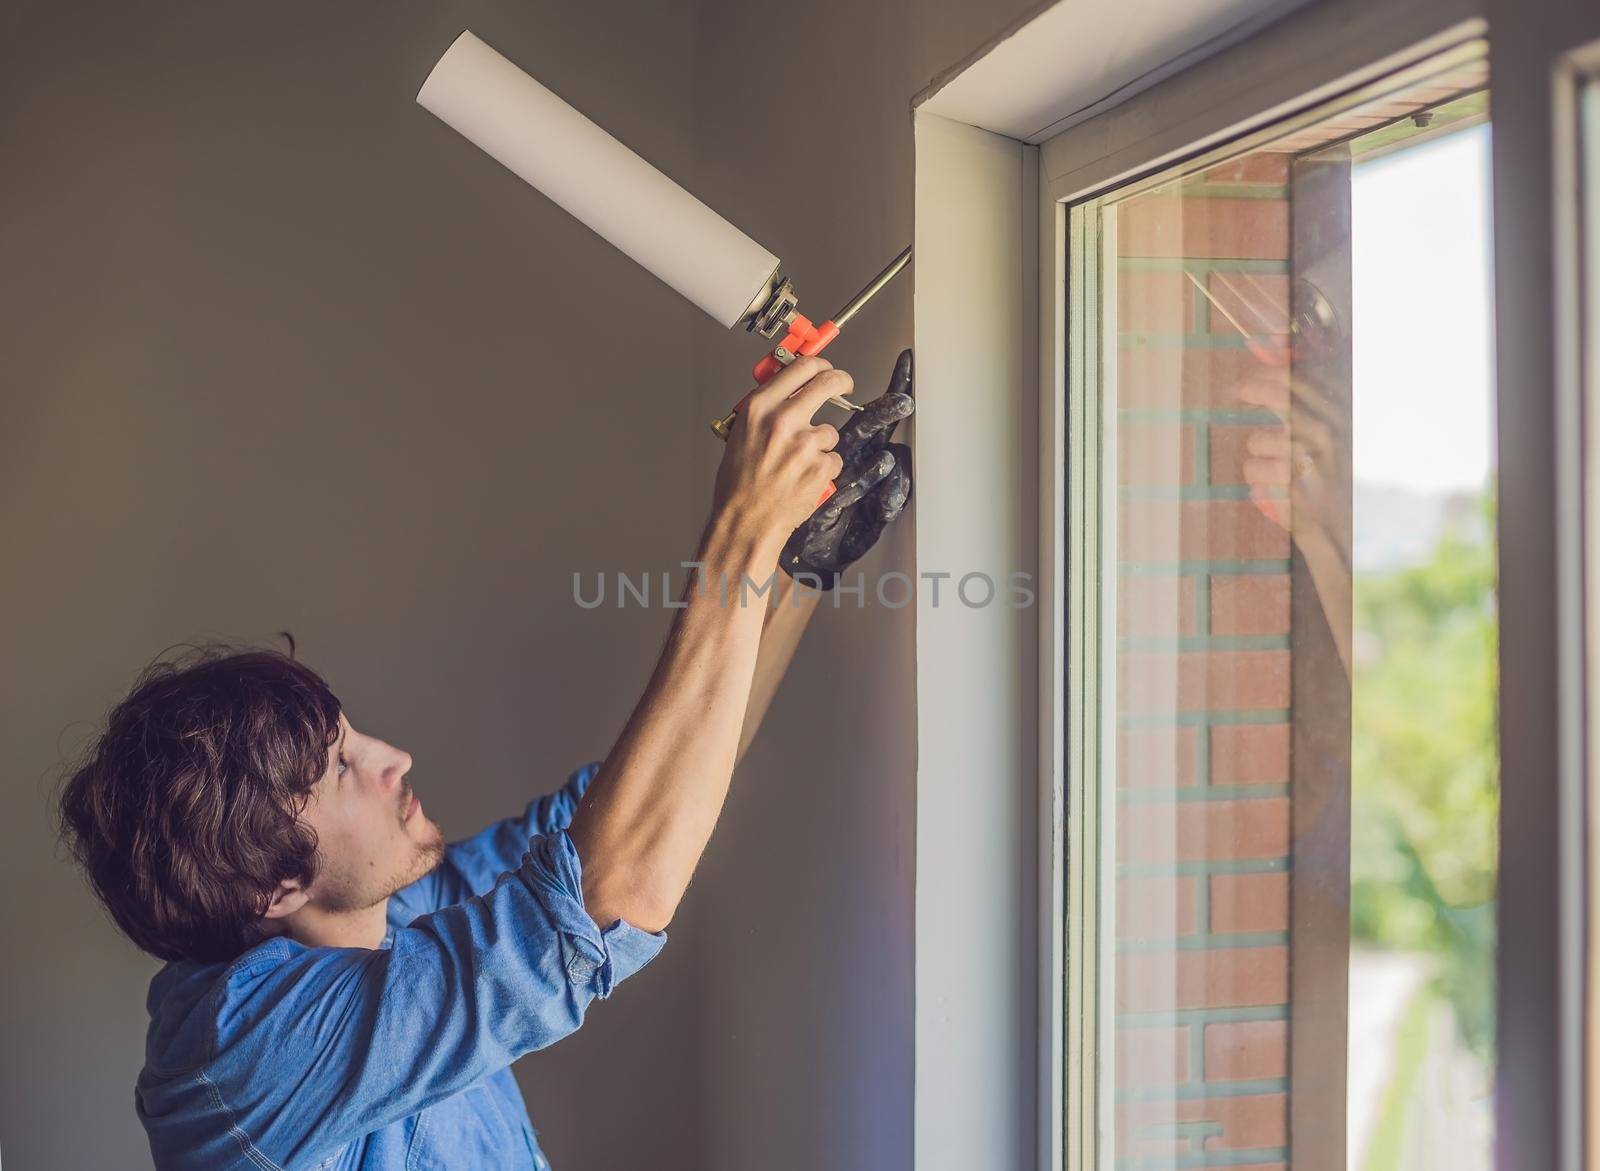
{"type": "Point", "coordinates": [646, 817]}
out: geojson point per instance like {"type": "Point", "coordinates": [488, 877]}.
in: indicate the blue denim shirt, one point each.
{"type": "Point", "coordinates": [318, 1057]}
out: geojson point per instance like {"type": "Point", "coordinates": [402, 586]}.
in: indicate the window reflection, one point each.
{"type": "Point", "coordinates": [1297, 351]}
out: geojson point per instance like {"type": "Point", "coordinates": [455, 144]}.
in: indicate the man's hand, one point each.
{"type": "Point", "coordinates": [872, 488]}
{"type": "Point", "coordinates": [778, 463]}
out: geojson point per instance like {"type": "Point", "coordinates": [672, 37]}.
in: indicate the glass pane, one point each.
{"type": "Point", "coordinates": [1297, 366]}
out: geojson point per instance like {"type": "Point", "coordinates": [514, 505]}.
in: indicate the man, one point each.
{"type": "Point", "coordinates": [343, 990]}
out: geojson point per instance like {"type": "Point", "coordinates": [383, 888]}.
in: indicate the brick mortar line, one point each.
{"type": "Point", "coordinates": [1180, 1129]}
{"type": "Point", "coordinates": [1243, 1157]}
{"type": "Point", "coordinates": [1152, 339]}
{"type": "Point", "coordinates": [1281, 864]}
{"type": "Point", "coordinates": [1222, 567]}
{"type": "Point", "coordinates": [1228, 1015]}
{"type": "Point", "coordinates": [1192, 1090]}
{"type": "Point", "coordinates": [1229, 717]}
{"type": "Point", "coordinates": [1193, 492]}
{"type": "Point", "coordinates": [1156, 643]}
{"type": "Point", "coordinates": [1198, 794]}
{"type": "Point", "coordinates": [1235, 941]}
{"type": "Point", "coordinates": [1202, 763]}
{"type": "Point", "coordinates": [1203, 264]}
{"type": "Point", "coordinates": [1227, 416]}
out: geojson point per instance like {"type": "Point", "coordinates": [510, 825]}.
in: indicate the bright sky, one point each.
{"type": "Point", "coordinates": [1423, 346]}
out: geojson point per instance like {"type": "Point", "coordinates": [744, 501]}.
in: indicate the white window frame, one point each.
{"type": "Point", "coordinates": [1013, 1085]}
{"type": "Point", "coordinates": [1576, 149]}
{"type": "Point", "coordinates": [1091, 542]}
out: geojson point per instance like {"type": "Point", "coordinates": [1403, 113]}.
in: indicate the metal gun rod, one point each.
{"type": "Point", "coordinates": [888, 274]}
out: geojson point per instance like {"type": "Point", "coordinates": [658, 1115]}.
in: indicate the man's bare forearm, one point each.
{"type": "Point", "coordinates": [650, 809]}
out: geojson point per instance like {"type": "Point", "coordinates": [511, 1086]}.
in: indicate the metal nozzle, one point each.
{"type": "Point", "coordinates": [888, 274]}
{"type": "Point", "coordinates": [774, 307]}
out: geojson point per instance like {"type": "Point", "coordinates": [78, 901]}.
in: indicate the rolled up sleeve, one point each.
{"type": "Point", "coordinates": [480, 860]}
{"type": "Point", "coordinates": [365, 1038]}
{"type": "Point", "coordinates": [599, 957]}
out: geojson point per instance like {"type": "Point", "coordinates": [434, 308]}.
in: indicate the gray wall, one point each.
{"type": "Point", "coordinates": [808, 1019]}
{"type": "Point", "coordinates": [277, 350]}
{"type": "Point", "coordinates": [280, 350]}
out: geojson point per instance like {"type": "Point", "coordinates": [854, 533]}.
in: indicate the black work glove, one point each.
{"type": "Point", "coordinates": [871, 490]}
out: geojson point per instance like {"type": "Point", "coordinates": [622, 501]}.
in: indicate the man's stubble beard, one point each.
{"type": "Point", "coordinates": [424, 861]}
{"type": "Point", "coordinates": [427, 858]}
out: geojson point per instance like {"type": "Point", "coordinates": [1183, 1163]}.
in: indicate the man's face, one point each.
{"type": "Point", "coordinates": [372, 836]}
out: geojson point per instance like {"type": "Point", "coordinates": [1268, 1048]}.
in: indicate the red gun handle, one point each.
{"type": "Point", "coordinates": [802, 338]}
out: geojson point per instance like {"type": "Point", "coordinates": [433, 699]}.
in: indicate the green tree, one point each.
{"type": "Point", "coordinates": [1425, 766]}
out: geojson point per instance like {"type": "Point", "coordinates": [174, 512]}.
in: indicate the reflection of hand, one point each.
{"type": "Point", "coordinates": [1299, 470]}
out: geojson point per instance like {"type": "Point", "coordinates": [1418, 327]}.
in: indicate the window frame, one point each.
{"type": "Point", "coordinates": [1089, 548]}
{"type": "Point", "coordinates": [1578, 89]}
{"type": "Point", "coordinates": [1288, 69]}
{"type": "Point", "coordinates": [1540, 55]}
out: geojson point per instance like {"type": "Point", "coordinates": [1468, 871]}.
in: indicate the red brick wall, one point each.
{"type": "Point", "coordinates": [1203, 672]}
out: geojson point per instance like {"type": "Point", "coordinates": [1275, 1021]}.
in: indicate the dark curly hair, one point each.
{"type": "Point", "coordinates": [185, 812]}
